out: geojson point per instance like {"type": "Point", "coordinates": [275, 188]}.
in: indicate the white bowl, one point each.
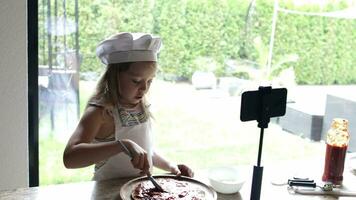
{"type": "Point", "coordinates": [226, 180]}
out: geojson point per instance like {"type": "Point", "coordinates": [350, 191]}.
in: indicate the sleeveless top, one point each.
{"type": "Point", "coordinates": [128, 125]}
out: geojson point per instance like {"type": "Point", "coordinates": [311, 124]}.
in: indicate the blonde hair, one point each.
{"type": "Point", "coordinates": [107, 92]}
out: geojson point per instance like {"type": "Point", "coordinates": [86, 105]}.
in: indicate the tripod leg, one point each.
{"type": "Point", "coordinates": [256, 183]}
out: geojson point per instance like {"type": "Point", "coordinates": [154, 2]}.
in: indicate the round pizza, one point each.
{"type": "Point", "coordinates": [173, 189]}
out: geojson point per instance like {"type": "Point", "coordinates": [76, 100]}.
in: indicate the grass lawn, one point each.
{"type": "Point", "coordinates": [200, 128]}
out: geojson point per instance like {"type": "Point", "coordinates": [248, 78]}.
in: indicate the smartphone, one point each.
{"type": "Point", "coordinates": [272, 101]}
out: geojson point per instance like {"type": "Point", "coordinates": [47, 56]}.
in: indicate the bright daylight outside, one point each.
{"type": "Point", "coordinates": [212, 52]}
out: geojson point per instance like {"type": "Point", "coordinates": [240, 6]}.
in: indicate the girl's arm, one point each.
{"type": "Point", "coordinates": [162, 163]}
{"type": "Point", "coordinates": [81, 152]}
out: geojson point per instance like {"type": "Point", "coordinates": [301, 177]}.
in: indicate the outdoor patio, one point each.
{"type": "Point", "coordinates": [312, 108]}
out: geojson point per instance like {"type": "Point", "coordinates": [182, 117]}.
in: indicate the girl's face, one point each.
{"type": "Point", "coordinates": [135, 82]}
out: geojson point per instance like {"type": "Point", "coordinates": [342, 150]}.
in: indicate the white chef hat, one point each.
{"type": "Point", "coordinates": [128, 47]}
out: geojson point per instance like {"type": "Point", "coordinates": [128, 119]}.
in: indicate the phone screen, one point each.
{"type": "Point", "coordinates": [274, 104]}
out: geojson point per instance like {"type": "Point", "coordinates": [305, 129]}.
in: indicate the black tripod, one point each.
{"type": "Point", "coordinates": [261, 105]}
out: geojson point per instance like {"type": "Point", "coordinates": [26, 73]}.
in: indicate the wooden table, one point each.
{"type": "Point", "coordinates": [110, 189]}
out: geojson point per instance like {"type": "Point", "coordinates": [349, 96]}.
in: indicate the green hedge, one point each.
{"type": "Point", "coordinates": [326, 47]}
{"type": "Point", "coordinates": [216, 31]}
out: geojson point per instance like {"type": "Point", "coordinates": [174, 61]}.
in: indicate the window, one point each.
{"type": "Point", "coordinates": [211, 55]}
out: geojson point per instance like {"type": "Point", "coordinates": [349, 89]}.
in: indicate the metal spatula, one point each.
{"type": "Point", "coordinates": [150, 177]}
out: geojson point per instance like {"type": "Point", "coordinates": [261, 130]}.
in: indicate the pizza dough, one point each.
{"type": "Point", "coordinates": [174, 189]}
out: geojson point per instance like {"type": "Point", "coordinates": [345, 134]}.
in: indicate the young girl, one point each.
{"type": "Point", "coordinates": [117, 117]}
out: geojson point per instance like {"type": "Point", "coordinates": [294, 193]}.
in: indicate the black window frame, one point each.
{"type": "Point", "coordinates": [32, 72]}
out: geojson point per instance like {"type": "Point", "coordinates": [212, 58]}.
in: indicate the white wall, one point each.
{"type": "Point", "coordinates": [13, 95]}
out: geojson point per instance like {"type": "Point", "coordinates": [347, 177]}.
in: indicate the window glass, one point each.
{"type": "Point", "coordinates": [211, 55]}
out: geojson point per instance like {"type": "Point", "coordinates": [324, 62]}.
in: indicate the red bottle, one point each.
{"type": "Point", "coordinates": [337, 140]}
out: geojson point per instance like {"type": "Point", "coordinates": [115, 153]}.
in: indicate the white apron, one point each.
{"type": "Point", "coordinates": [119, 165]}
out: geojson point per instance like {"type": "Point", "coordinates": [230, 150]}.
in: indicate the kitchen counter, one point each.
{"type": "Point", "coordinates": [110, 189]}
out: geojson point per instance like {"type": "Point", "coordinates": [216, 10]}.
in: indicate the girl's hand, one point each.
{"type": "Point", "coordinates": [182, 170]}
{"type": "Point", "coordinates": [139, 159]}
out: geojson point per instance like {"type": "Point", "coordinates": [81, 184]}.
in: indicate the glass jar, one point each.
{"type": "Point", "coordinates": [337, 141]}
